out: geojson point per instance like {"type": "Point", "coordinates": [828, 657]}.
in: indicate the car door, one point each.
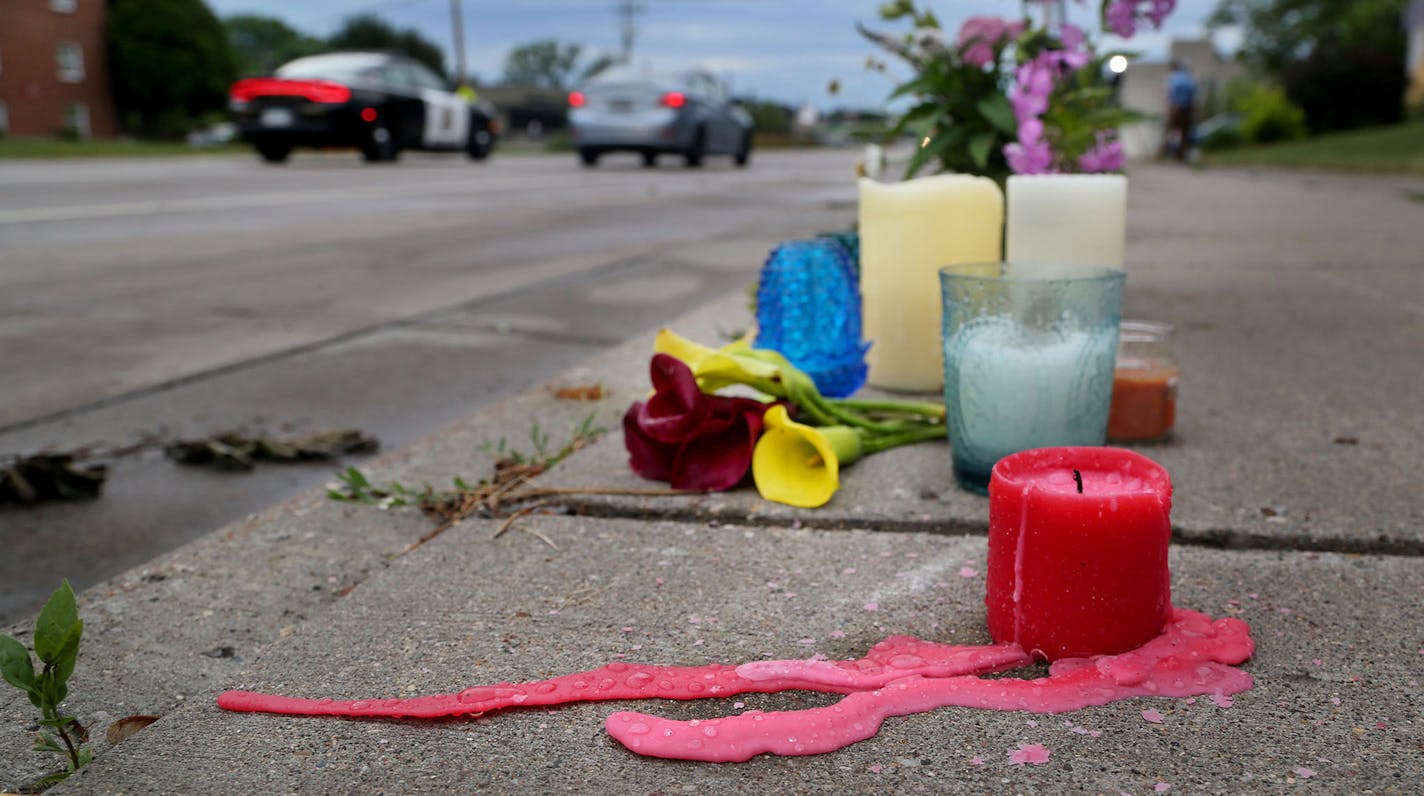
{"type": "Point", "coordinates": [721, 136]}
{"type": "Point", "coordinates": [404, 106]}
{"type": "Point", "coordinates": [447, 114]}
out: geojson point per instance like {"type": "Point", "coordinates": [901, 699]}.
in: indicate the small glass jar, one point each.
{"type": "Point", "coordinates": [1144, 398]}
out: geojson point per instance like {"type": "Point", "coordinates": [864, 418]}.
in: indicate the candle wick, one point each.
{"type": "Point", "coordinates": [1078, 478]}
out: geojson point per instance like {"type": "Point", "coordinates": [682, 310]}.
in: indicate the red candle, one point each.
{"type": "Point", "coordinates": [1078, 551]}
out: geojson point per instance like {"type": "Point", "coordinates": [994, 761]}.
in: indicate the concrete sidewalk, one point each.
{"type": "Point", "coordinates": [1297, 509]}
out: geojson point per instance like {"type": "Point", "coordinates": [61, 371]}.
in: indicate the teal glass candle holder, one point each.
{"type": "Point", "coordinates": [1028, 357]}
{"type": "Point", "coordinates": [808, 308]}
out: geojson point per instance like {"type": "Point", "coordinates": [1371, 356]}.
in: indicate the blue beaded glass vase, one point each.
{"type": "Point", "coordinates": [808, 308]}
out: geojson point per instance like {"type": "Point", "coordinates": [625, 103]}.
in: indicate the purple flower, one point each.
{"type": "Point", "coordinates": [1071, 35]}
{"type": "Point", "coordinates": [1105, 156]}
{"type": "Point", "coordinates": [1031, 130]}
{"type": "Point", "coordinates": [1159, 11]}
{"type": "Point", "coordinates": [1121, 16]}
{"type": "Point", "coordinates": [978, 37]}
{"type": "Point", "coordinates": [1035, 158]}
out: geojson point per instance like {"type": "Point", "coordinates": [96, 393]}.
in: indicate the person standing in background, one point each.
{"type": "Point", "coordinates": [1181, 96]}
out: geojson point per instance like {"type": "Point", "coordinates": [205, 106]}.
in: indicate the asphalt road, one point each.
{"type": "Point", "coordinates": [147, 300]}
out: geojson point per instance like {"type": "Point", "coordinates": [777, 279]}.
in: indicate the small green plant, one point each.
{"type": "Point", "coordinates": [57, 633]}
{"type": "Point", "coordinates": [584, 432]}
{"type": "Point", "coordinates": [352, 485]}
{"type": "Point", "coordinates": [1267, 115]}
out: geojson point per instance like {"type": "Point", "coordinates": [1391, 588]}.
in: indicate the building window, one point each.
{"type": "Point", "coordinates": [76, 120]}
{"type": "Point", "coordinates": [63, 6]}
{"type": "Point", "coordinates": [4, 118]}
{"type": "Point", "coordinates": [70, 58]}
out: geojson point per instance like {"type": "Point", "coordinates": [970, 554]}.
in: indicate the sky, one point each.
{"type": "Point", "coordinates": [783, 50]}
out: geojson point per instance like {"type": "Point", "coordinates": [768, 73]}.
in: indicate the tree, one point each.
{"type": "Point", "coordinates": [1342, 61]}
{"type": "Point", "coordinates": [261, 44]}
{"type": "Point", "coordinates": [169, 62]}
{"type": "Point", "coordinates": [370, 32]}
{"type": "Point", "coordinates": [551, 64]}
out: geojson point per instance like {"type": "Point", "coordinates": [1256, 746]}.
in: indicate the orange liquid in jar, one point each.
{"type": "Point", "coordinates": [1144, 400]}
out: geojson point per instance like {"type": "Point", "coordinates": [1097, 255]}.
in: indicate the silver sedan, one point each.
{"type": "Point", "coordinates": [624, 110]}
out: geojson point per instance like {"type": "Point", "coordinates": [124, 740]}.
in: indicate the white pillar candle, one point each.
{"type": "Point", "coordinates": [1066, 219]}
{"type": "Point", "coordinates": [908, 231]}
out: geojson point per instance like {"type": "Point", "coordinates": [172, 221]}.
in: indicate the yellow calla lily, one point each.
{"type": "Point", "coordinates": [718, 368]}
{"type": "Point", "coordinates": [799, 465]}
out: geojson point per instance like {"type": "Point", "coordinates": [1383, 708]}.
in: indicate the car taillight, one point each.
{"type": "Point", "coordinates": [577, 99]}
{"type": "Point", "coordinates": [674, 99]}
{"type": "Point", "coordinates": [368, 114]}
{"type": "Point", "coordinates": [326, 91]}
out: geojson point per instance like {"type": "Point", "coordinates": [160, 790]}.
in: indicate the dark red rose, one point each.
{"type": "Point", "coordinates": [691, 440]}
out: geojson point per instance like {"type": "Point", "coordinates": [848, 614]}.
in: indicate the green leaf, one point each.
{"type": "Point", "coordinates": [53, 689]}
{"type": "Point", "coordinates": [1000, 113]}
{"type": "Point", "coordinates": [55, 778]}
{"type": "Point", "coordinates": [56, 623]}
{"type": "Point", "coordinates": [64, 663]}
{"type": "Point", "coordinates": [979, 147]}
{"type": "Point", "coordinates": [15, 664]}
{"type": "Point", "coordinates": [44, 742]}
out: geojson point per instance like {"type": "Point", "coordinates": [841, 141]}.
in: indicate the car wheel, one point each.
{"type": "Point", "coordinates": [650, 160]}
{"type": "Point", "coordinates": [274, 151]}
{"type": "Point", "coordinates": [380, 146]}
{"type": "Point", "coordinates": [744, 152]}
{"type": "Point", "coordinates": [589, 157]}
{"type": "Point", "coordinates": [698, 151]}
{"type": "Point", "coordinates": [481, 141]}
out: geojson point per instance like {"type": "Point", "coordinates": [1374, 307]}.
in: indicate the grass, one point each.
{"type": "Point", "coordinates": [1398, 149]}
{"type": "Point", "coordinates": [106, 148]}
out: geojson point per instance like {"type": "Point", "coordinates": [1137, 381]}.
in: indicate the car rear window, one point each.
{"type": "Point", "coordinates": [625, 88]}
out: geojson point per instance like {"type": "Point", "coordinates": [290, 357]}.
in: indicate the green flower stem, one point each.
{"type": "Point", "coordinates": [876, 444]}
{"type": "Point", "coordinates": [921, 408]}
{"type": "Point", "coordinates": [61, 726]}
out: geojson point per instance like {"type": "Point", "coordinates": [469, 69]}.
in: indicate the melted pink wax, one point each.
{"type": "Point", "coordinates": [1194, 655]}
{"type": "Point", "coordinates": [894, 658]}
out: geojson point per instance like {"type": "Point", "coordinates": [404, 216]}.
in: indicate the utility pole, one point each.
{"type": "Point", "coordinates": [457, 24]}
{"type": "Point", "coordinates": [628, 11]}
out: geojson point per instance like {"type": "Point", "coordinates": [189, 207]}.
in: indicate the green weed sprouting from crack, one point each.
{"type": "Point", "coordinates": [352, 485]}
{"type": "Point", "coordinates": [57, 633]}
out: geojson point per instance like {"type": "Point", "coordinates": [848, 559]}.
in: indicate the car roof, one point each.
{"type": "Point", "coordinates": [345, 60]}
{"type": "Point", "coordinates": [632, 74]}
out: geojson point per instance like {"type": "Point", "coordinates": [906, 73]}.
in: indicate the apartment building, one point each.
{"type": "Point", "coordinates": [53, 71]}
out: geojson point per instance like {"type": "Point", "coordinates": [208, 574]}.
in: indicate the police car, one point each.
{"type": "Point", "coordinates": [380, 103]}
